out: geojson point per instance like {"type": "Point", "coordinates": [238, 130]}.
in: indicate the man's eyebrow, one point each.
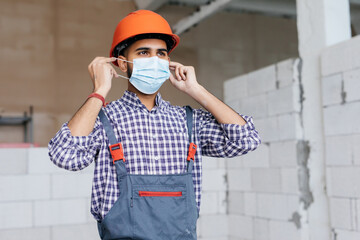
{"type": "Point", "coordinates": [142, 48]}
{"type": "Point", "coordinates": [147, 49]}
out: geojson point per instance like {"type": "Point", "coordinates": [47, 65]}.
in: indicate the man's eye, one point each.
{"type": "Point", "coordinates": [161, 54]}
{"type": "Point", "coordinates": [142, 53]}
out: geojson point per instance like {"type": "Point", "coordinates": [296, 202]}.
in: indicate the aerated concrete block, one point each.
{"type": "Point", "coordinates": [240, 226]}
{"type": "Point", "coordinates": [24, 187]}
{"type": "Point", "coordinates": [266, 180]}
{"type": "Point", "coordinates": [235, 88]}
{"type": "Point", "coordinates": [40, 163]}
{"type": "Point", "coordinates": [268, 129]}
{"type": "Point", "coordinates": [283, 154]}
{"type": "Point", "coordinates": [236, 202]}
{"type": "Point", "coordinates": [347, 235]}
{"type": "Point", "coordinates": [239, 180]}
{"type": "Point", "coordinates": [250, 207]}
{"type": "Point", "coordinates": [281, 230]}
{"type": "Point", "coordinates": [338, 58]}
{"type": "Point", "coordinates": [340, 213]}
{"type": "Point", "coordinates": [235, 162]}
{"type": "Point", "coordinates": [215, 226]}
{"type": "Point", "coordinates": [26, 233]}
{"type": "Point", "coordinates": [341, 181]}
{"type": "Point", "coordinates": [209, 163]}
{"type": "Point", "coordinates": [356, 149]}
{"type": "Point", "coordinates": [71, 185]}
{"type": "Point", "coordinates": [13, 161]}
{"type": "Point", "coordinates": [262, 80]}
{"type": "Point", "coordinates": [289, 126]}
{"type": "Point", "coordinates": [258, 158]}
{"type": "Point", "coordinates": [261, 229]}
{"type": "Point", "coordinates": [214, 180]}
{"type": "Point", "coordinates": [342, 119]}
{"type": "Point", "coordinates": [16, 215]}
{"type": "Point", "coordinates": [255, 106]}
{"type": "Point", "coordinates": [284, 73]}
{"type": "Point", "coordinates": [284, 100]}
{"type": "Point", "coordinates": [75, 232]}
{"type": "Point", "coordinates": [276, 206]}
{"type": "Point", "coordinates": [339, 150]}
{"type": "Point", "coordinates": [352, 85]}
{"type": "Point", "coordinates": [209, 203]}
{"type": "Point", "coordinates": [289, 180]}
{"type": "Point", "coordinates": [57, 212]}
{"type": "Point", "coordinates": [332, 88]}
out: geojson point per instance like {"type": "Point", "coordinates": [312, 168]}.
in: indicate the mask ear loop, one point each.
{"type": "Point", "coordinates": [118, 75]}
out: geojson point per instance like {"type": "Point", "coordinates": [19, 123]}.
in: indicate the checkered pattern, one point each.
{"type": "Point", "coordinates": [154, 142]}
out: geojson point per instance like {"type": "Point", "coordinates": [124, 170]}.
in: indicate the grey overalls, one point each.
{"type": "Point", "coordinates": [156, 207]}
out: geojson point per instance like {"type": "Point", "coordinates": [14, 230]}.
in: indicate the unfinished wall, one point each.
{"type": "Point", "coordinates": [341, 100]}
{"type": "Point", "coordinates": [271, 185]}
{"type": "Point", "coordinates": [268, 186]}
{"type": "Point", "coordinates": [39, 201]}
{"type": "Point", "coordinates": [46, 46]}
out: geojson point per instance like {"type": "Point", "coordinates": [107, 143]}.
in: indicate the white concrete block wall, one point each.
{"type": "Point", "coordinates": [40, 201]}
{"type": "Point", "coordinates": [263, 185]}
{"type": "Point", "coordinates": [213, 222]}
{"type": "Point", "coordinates": [341, 100]}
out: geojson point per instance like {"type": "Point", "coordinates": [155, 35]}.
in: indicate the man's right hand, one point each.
{"type": "Point", "coordinates": [101, 73]}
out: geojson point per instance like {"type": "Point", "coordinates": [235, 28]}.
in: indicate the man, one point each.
{"type": "Point", "coordinates": [147, 184]}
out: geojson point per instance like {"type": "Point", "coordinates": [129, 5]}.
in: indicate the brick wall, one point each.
{"type": "Point", "coordinates": [39, 201]}
{"type": "Point", "coordinates": [341, 100]}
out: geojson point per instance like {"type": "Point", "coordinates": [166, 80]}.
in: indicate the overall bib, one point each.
{"type": "Point", "coordinates": [154, 207]}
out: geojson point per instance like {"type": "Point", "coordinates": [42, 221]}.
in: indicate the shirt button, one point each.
{"type": "Point", "coordinates": [154, 136]}
{"type": "Point", "coordinates": [156, 158]}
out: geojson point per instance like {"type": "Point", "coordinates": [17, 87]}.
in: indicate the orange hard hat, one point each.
{"type": "Point", "coordinates": [142, 23]}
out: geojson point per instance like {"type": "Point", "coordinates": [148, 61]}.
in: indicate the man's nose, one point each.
{"type": "Point", "coordinates": [153, 53]}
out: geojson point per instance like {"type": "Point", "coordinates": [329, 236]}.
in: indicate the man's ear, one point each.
{"type": "Point", "coordinates": [122, 64]}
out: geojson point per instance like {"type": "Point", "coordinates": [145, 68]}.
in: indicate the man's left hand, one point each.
{"type": "Point", "coordinates": [184, 77]}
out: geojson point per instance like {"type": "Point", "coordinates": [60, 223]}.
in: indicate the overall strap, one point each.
{"type": "Point", "coordinates": [115, 147]}
{"type": "Point", "coordinates": [108, 128]}
{"type": "Point", "coordinates": [192, 145]}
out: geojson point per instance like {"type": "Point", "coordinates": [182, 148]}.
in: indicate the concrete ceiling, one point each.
{"type": "Point", "coordinates": [205, 8]}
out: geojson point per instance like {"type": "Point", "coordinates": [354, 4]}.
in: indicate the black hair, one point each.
{"type": "Point", "coordinates": [120, 48]}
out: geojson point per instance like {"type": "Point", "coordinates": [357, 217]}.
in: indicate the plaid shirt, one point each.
{"type": "Point", "coordinates": [154, 142]}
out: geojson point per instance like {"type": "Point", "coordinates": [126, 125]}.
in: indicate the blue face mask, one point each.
{"type": "Point", "coordinates": [148, 74]}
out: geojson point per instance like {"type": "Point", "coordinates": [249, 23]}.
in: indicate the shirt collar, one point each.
{"type": "Point", "coordinates": [132, 100]}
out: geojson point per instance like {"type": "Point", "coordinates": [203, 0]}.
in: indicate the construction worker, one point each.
{"type": "Point", "coordinates": [147, 153]}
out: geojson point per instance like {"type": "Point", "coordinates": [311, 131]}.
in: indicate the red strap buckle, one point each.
{"type": "Point", "coordinates": [117, 153]}
{"type": "Point", "coordinates": [192, 151]}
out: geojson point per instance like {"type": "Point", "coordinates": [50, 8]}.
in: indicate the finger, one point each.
{"type": "Point", "coordinates": [106, 60]}
{"type": "Point", "coordinates": [183, 71]}
{"type": "Point", "coordinates": [174, 64]}
{"type": "Point", "coordinates": [100, 60]}
{"type": "Point", "coordinates": [177, 74]}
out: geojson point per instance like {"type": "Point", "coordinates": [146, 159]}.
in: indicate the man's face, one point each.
{"type": "Point", "coordinates": [142, 49]}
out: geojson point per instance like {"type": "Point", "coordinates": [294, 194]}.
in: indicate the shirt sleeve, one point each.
{"type": "Point", "coordinates": [226, 140]}
{"type": "Point", "coordinates": [75, 152]}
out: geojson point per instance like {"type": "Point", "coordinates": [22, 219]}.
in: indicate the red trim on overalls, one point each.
{"type": "Point", "coordinates": [192, 151]}
{"type": "Point", "coordinates": [117, 152]}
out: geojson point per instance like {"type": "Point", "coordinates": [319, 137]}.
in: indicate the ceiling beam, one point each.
{"type": "Point", "coordinates": [203, 12]}
{"type": "Point", "coordinates": [152, 5]}
{"type": "Point", "coordinates": [266, 7]}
